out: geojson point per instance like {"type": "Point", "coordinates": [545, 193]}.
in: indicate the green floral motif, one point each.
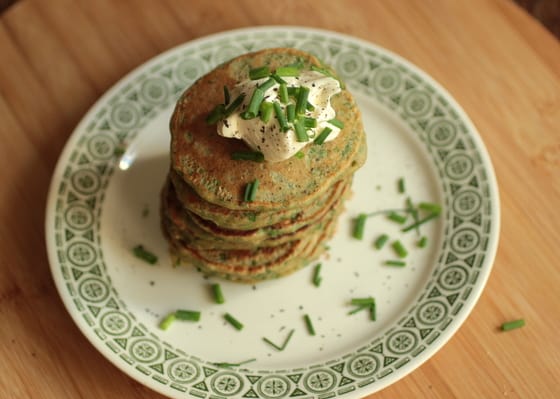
{"type": "Point", "coordinates": [320, 381]}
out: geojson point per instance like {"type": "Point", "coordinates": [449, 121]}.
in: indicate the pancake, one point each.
{"type": "Point", "coordinates": [204, 216]}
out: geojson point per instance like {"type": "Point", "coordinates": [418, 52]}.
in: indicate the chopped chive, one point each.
{"type": "Point", "coordinates": [317, 275]}
{"type": "Point", "coordinates": [284, 344]}
{"type": "Point", "coordinates": [322, 136]}
{"type": "Point", "coordinates": [278, 79]}
{"type": "Point", "coordinates": [283, 93]}
{"type": "Point", "coordinates": [401, 185]}
{"type": "Point", "coordinates": [359, 226]}
{"type": "Point", "coordinates": [420, 222]}
{"type": "Point", "coordinates": [187, 315]}
{"type": "Point", "coordinates": [216, 114]}
{"type": "Point", "coordinates": [234, 105]}
{"type": "Point", "coordinates": [395, 217]}
{"type": "Point", "coordinates": [233, 321]}
{"type": "Point", "coordinates": [511, 325]}
{"type": "Point", "coordinates": [251, 191]}
{"type": "Point", "coordinates": [380, 241]}
{"type": "Point", "coordinates": [218, 294]}
{"type": "Point", "coordinates": [299, 155]}
{"type": "Point", "coordinates": [281, 117]}
{"type": "Point", "coordinates": [267, 84]}
{"type": "Point", "coordinates": [373, 311]}
{"type": "Point", "coordinates": [309, 106]}
{"type": "Point", "coordinates": [301, 102]}
{"type": "Point", "coordinates": [309, 325]}
{"type": "Point", "coordinates": [399, 248]}
{"type": "Point", "coordinates": [361, 301]}
{"type": "Point", "coordinates": [259, 73]}
{"type": "Point", "coordinates": [291, 112]}
{"type": "Point", "coordinates": [309, 123]}
{"type": "Point", "coordinates": [253, 107]}
{"type": "Point", "coordinates": [142, 253]}
{"type": "Point", "coordinates": [266, 110]}
{"type": "Point", "coordinates": [248, 156]}
{"type": "Point", "coordinates": [293, 91]}
{"type": "Point", "coordinates": [227, 365]}
{"type": "Point", "coordinates": [226, 96]}
{"type": "Point", "coordinates": [429, 207]}
{"type": "Point", "coordinates": [398, 263]}
{"type": "Point", "coordinates": [335, 122]}
{"type": "Point", "coordinates": [167, 321]}
{"type": "Point", "coordinates": [323, 71]}
{"type": "Point", "coordinates": [414, 212]}
{"type": "Point", "coordinates": [301, 134]}
{"type": "Point", "coordinates": [422, 242]}
{"type": "Point", "coordinates": [287, 71]}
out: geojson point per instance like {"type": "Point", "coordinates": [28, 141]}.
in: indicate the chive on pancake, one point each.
{"type": "Point", "coordinates": [242, 217]}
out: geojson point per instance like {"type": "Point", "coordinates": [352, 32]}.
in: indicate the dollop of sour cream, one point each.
{"type": "Point", "coordinates": [267, 137]}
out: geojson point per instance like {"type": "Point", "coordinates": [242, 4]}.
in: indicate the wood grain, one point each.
{"type": "Point", "coordinates": [59, 56]}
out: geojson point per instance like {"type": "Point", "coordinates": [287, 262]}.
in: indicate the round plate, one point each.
{"type": "Point", "coordinates": [104, 200]}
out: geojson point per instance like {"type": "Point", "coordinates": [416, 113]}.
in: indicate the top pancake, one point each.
{"type": "Point", "coordinates": [203, 158]}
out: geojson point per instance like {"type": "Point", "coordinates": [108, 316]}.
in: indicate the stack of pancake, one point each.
{"type": "Point", "coordinates": [204, 215]}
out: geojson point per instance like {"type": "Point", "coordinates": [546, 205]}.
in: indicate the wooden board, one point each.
{"type": "Point", "coordinates": [58, 57]}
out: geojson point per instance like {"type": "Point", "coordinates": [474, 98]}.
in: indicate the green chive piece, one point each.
{"type": "Point", "coordinates": [309, 106]}
{"type": "Point", "coordinates": [309, 325]}
{"type": "Point", "coordinates": [287, 71]}
{"type": "Point", "coordinates": [293, 91]}
{"type": "Point", "coordinates": [254, 156]}
{"type": "Point", "coordinates": [429, 207]}
{"type": "Point", "coordinates": [281, 117]}
{"type": "Point", "coordinates": [373, 311]}
{"type": "Point", "coordinates": [512, 325]}
{"type": "Point", "coordinates": [398, 263]}
{"type": "Point", "coordinates": [299, 155]}
{"type": "Point", "coordinates": [226, 96]}
{"type": "Point", "coordinates": [420, 222]}
{"type": "Point", "coordinates": [401, 185]}
{"type": "Point", "coordinates": [253, 107]}
{"type": "Point", "coordinates": [301, 102]}
{"type": "Point", "coordinates": [216, 114]}
{"type": "Point", "coordinates": [317, 275]}
{"type": "Point", "coordinates": [267, 84]}
{"type": "Point", "coordinates": [361, 301]}
{"type": "Point", "coordinates": [422, 242]}
{"type": "Point", "coordinates": [324, 71]}
{"type": "Point", "coordinates": [309, 123]}
{"type": "Point", "coordinates": [266, 110]}
{"type": "Point", "coordinates": [399, 248]}
{"type": "Point", "coordinates": [259, 73]}
{"type": "Point", "coordinates": [187, 315]}
{"type": "Point", "coordinates": [218, 294]}
{"type": "Point", "coordinates": [359, 226]}
{"type": "Point", "coordinates": [251, 191]}
{"type": "Point", "coordinates": [335, 122]}
{"type": "Point", "coordinates": [278, 79]}
{"type": "Point", "coordinates": [233, 321]}
{"type": "Point", "coordinates": [283, 93]}
{"type": "Point", "coordinates": [227, 365]}
{"type": "Point", "coordinates": [395, 217]}
{"type": "Point", "coordinates": [142, 253]}
{"type": "Point", "coordinates": [301, 134]}
{"type": "Point", "coordinates": [380, 241]}
{"type": "Point", "coordinates": [234, 105]}
{"type": "Point", "coordinates": [284, 344]}
{"type": "Point", "coordinates": [358, 309]}
{"type": "Point", "coordinates": [167, 321]}
{"type": "Point", "coordinates": [414, 212]}
{"type": "Point", "coordinates": [291, 111]}
{"type": "Point", "coordinates": [320, 139]}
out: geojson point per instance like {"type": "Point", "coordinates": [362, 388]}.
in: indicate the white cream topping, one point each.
{"type": "Point", "coordinates": [268, 138]}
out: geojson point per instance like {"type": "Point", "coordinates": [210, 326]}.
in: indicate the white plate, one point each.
{"type": "Point", "coordinates": [101, 205]}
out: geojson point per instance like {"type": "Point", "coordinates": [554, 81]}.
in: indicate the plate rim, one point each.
{"type": "Point", "coordinates": [57, 176]}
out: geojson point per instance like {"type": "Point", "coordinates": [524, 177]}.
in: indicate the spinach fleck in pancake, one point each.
{"type": "Point", "coordinates": [204, 215]}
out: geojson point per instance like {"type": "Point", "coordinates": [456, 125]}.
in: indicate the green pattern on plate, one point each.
{"type": "Point", "coordinates": [367, 70]}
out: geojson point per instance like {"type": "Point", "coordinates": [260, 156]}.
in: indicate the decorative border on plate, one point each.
{"type": "Point", "coordinates": [366, 69]}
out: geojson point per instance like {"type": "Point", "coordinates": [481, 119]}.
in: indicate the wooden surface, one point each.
{"type": "Point", "coordinates": [58, 57]}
